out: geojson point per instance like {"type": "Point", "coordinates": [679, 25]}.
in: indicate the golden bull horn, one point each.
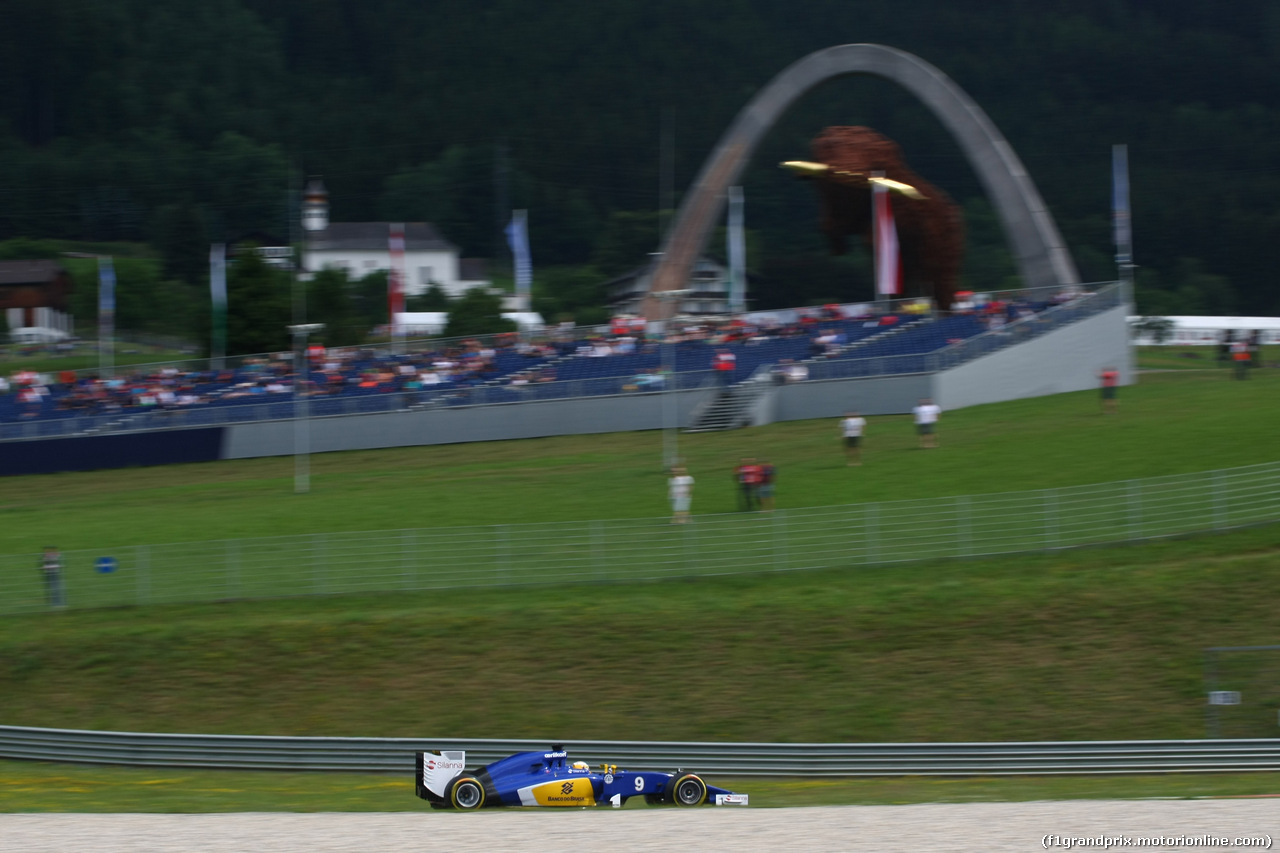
{"type": "Point", "coordinates": [807, 169]}
{"type": "Point", "coordinates": [804, 167]}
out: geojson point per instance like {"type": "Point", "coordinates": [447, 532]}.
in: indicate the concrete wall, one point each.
{"type": "Point", "coordinates": [831, 398]}
{"type": "Point", "coordinates": [581, 416]}
{"type": "Point", "coordinates": [1066, 359]}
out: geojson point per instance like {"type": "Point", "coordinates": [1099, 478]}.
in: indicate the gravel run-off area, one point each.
{"type": "Point", "coordinates": [986, 827]}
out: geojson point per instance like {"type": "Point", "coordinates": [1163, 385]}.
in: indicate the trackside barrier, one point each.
{"type": "Point", "coordinates": [395, 755]}
{"type": "Point", "coordinates": [651, 549]}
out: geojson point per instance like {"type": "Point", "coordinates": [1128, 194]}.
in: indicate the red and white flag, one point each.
{"type": "Point", "coordinates": [888, 262]}
{"type": "Point", "coordinates": [395, 276]}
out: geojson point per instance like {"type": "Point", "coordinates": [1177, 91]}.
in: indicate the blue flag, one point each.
{"type": "Point", "coordinates": [518, 239]}
{"type": "Point", "coordinates": [106, 314]}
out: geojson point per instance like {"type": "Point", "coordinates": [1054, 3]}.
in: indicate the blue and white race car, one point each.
{"type": "Point", "coordinates": [549, 779]}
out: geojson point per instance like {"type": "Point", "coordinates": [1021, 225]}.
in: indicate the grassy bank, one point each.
{"type": "Point", "coordinates": [1170, 423]}
{"type": "Point", "coordinates": [1094, 644]}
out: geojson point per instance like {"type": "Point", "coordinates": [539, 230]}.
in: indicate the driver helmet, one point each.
{"type": "Point", "coordinates": [581, 765]}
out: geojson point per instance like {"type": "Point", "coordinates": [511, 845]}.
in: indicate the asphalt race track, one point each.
{"type": "Point", "coordinates": [985, 827]}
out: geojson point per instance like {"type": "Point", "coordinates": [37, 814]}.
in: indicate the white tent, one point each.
{"type": "Point", "coordinates": [36, 335]}
{"type": "Point", "coordinates": [1190, 330]}
{"type": "Point", "coordinates": [433, 322]}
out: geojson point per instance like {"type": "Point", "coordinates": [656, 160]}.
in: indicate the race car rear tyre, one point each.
{"type": "Point", "coordinates": [466, 793]}
{"type": "Point", "coordinates": [686, 790]}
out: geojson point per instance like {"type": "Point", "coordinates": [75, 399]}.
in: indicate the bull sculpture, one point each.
{"type": "Point", "coordinates": [929, 224]}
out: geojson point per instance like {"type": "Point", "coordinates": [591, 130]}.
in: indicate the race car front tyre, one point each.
{"type": "Point", "coordinates": [686, 790]}
{"type": "Point", "coordinates": [466, 794]}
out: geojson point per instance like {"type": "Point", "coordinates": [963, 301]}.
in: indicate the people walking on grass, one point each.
{"type": "Point", "coordinates": [51, 571]}
{"type": "Point", "coordinates": [926, 417]}
{"type": "Point", "coordinates": [747, 476]}
{"type": "Point", "coordinates": [680, 490]}
{"type": "Point", "coordinates": [1240, 358]}
{"type": "Point", "coordinates": [852, 426]}
{"type": "Point", "coordinates": [1110, 378]}
{"type": "Point", "coordinates": [768, 475]}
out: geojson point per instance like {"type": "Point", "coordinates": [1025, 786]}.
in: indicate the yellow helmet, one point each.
{"type": "Point", "coordinates": [581, 765]}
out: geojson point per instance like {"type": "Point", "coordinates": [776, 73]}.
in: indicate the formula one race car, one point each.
{"type": "Point", "coordinates": [548, 779]}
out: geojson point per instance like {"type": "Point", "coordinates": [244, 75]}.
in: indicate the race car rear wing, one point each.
{"type": "Point", "coordinates": [436, 770]}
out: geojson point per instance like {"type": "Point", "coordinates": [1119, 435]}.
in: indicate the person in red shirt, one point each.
{"type": "Point", "coordinates": [1241, 358]}
{"type": "Point", "coordinates": [1110, 379]}
{"type": "Point", "coordinates": [725, 362]}
{"type": "Point", "coordinates": [749, 475]}
{"type": "Point", "coordinates": [768, 474]}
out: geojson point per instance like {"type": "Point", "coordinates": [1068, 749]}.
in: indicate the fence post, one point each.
{"type": "Point", "coordinates": [689, 530]}
{"type": "Point", "coordinates": [596, 543]}
{"type": "Point", "coordinates": [1219, 508]}
{"type": "Point", "coordinates": [317, 568]}
{"type": "Point", "coordinates": [871, 520]}
{"type": "Point", "coordinates": [1212, 728]}
{"type": "Point", "coordinates": [1135, 509]}
{"type": "Point", "coordinates": [1050, 518]}
{"type": "Point", "coordinates": [407, 558]}
{"type": "Point", "coordinates": [502, 547]}
{"type": "Point", "coordinates": [781, 554]}
{"type": "Point", "coordinates": [143, 558]}
{"type": "Point", "coordinates": [233, 568]}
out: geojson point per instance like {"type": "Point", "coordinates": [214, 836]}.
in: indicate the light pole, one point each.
{"type": "Point", "coordinates": [670, 435]}
{"type": "Point", "coordinates": [301, 410]}
{"type": "Point", "coordinates": [314, 218]}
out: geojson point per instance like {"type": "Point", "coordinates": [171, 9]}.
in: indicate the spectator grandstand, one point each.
{"type": "Point", "coordinates": [818, 343]}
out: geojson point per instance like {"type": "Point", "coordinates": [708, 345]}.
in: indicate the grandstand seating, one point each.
{"type": "Point", "coordinates": [563, 369]}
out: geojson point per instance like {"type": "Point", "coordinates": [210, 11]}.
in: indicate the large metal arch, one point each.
{"type": "Point", "coordinates": [1038, 249]}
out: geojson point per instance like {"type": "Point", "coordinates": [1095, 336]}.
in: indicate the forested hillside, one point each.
{"type": "Point", "coordinates": [175, 122]}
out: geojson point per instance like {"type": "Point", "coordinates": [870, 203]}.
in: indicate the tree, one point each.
{"type": "Point", "coordinates": [24, 249]}
{"type": "Point", "coordinates": [477, 312]}
{"type": "Point", "coordinates": [331, 300]}
{"type": "Point", "coordinates": [372, 308]}
{"type": "Point", "coordinates": [178, 234]}
{"type": "Point", "coordinates": [628, 240]}
{"type": "Point", "coordinates": [432, 299]}
{"type": "Point", "coordinates": [257, 305]}
{"type": "Point", "coordinates": [454, 193]}
{"type": "Point", "coordinates": [570, 293]}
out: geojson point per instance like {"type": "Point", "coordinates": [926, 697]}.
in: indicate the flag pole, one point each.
{"type": "Point", "coordinates": [218, 296]}
{"type": "Point", "coordinates": [877, 259]}
{"type": "Point", "coordinates": [395, 284]}
{"type": "Point", "coordinates": [737, 254]}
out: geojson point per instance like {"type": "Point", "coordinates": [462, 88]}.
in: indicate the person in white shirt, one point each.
{"type": "Point", "coordinates": [680, 490]}
{"type": "Point", "coordinates": [926, 415]}
{"type": "Point", "coordinates": [852, 427]}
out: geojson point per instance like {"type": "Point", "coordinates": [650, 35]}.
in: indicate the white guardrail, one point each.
{"type": "Point", "coordinates": [395, 755]}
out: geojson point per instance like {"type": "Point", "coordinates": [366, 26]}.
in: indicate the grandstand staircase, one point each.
{"type": "Point", "coordinates": [731, 408]}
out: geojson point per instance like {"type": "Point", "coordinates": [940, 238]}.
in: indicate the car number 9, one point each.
{"type": "Point", "coordinates": [639, 783]}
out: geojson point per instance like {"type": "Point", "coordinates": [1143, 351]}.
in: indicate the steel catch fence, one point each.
{"type": "Point", "coordinates": [650, 549]}
{"type": "Point", "coordinates": [396, 755]}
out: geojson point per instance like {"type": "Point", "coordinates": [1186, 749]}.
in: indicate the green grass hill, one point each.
{"type": "Point", "coordinates": [1092, 644]}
